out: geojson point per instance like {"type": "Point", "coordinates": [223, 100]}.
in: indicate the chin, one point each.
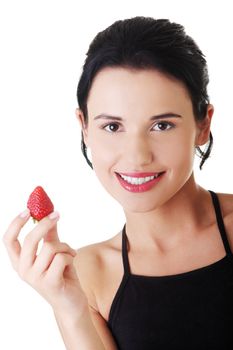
{"type": "Point", "coordinates": [140, 206]}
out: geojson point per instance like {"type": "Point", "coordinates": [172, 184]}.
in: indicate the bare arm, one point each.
{"type": "Point", "coordinates": [80, 333]}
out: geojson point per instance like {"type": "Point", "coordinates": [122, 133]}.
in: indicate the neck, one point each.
{"type": "Point", "coordinates": [171, 223]}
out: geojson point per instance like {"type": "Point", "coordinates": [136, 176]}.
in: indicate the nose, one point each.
{"type": "Point", "coordinates": [137, 151]}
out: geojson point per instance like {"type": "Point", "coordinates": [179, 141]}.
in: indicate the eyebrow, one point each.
{"type": "Point", "coordinates": [154, 117]}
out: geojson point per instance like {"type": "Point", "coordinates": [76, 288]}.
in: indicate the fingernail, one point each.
{"type": "Point", "coordinates": [54, 215]}
{"type": "Point", "coordinates": [25, 213]}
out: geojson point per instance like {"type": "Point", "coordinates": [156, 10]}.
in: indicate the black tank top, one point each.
{"type": "Point", "coordinates": [185, 311]}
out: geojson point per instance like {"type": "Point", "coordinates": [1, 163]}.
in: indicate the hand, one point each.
{"type": "Point", "coordinates": [51, 272]}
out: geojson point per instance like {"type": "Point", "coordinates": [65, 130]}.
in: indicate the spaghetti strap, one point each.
{"type": "Point", "coordinates": [220, 222]}
{"type": "Point", "coordinates": [125, 253]}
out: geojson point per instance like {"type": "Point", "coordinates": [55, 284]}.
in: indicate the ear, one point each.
{"type": "Point", "coordinates": [203, 127]}
{"type": "Point", "coordinates": [83, 124]}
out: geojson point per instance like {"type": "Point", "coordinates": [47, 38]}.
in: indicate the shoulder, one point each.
{"type": "Point", "coordinates": [226, 203]}
{"type": "Point", "coordinates": [93, 256]}
{"type": "Point", "coordinates": [91, 264]}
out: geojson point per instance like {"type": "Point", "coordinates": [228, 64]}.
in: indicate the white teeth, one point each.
{"type": "Point", "coordinates": [138, 180]}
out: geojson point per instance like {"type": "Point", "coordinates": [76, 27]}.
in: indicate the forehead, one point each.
{"type": "Point", "coordinates": [118, 87]}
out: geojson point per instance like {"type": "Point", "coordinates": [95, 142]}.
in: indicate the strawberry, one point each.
{"type": "Point", "coordinates": [39, 204]}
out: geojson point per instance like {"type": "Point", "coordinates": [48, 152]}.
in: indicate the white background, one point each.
{"type": "Point", "coordinates": [43, 46]}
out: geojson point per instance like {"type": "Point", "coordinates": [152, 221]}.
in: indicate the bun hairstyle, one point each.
{"type": "Point", "coordinates": [145, 42]}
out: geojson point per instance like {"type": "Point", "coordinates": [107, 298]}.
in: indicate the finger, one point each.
{"type": "Point", "coordinates": [52, 235]}
{"type": "Point", "coordinates": [55, 272]}
{"type": "Point", "coordinates": [31, 241]}
{"type": "Point", "coordinates": [10, 237]}
{"type": "Point", "coordinates": [47, 254]}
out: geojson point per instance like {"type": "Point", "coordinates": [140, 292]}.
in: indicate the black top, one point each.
{"type": "Point", "coordinates": [185, 311]}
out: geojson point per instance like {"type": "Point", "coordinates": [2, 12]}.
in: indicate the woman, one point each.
{"type": "Point", "coordinates": [166, 280]}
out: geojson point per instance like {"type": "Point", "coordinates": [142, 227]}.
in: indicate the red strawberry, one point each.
{"type": "Point", "coordinates": [39, 204]}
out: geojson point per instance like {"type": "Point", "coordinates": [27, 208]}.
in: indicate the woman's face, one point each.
{"type": "Point", "coordinates": [141, 125]}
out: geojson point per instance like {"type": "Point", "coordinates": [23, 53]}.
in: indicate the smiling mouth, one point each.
{"type": "Point", "coordinates": [139, 182]}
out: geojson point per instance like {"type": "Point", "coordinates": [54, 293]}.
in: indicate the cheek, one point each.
{"type": "Point", "coordinates": [178, 151]}
{"type": "Point", "coordinates": [102, 152]}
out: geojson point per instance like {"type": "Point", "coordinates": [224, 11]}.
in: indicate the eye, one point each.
{"type": "Point", "coordinates": [111, 127]}
{"type": "Point", "coordinates": [163, 126]}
